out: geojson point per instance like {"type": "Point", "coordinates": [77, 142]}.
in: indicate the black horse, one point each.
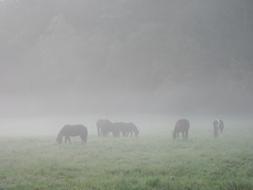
{"type": "Point", "coordinates": [182, 126]}
{"type": "Point", "coordinates": [72, 130]}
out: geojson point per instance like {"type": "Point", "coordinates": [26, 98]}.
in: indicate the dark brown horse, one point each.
{"type": "Point", "coordinates": [68, 131]}
{"type": "Point", "coordinates": [127, 129]}
{"type": "Point", "coordinates": [106, 127]}
{"type": "Point", "coordinates": [182, 126]}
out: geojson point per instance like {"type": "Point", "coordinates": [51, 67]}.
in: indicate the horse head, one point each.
{"type": "Point", "coordinates": [59, 138]}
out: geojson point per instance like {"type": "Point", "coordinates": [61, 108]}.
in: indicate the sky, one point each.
{"type": "Point", "coordinates": [167, 57]}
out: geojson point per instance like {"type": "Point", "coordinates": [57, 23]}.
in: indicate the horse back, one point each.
{"type": "Point", "coordinates": [74, 130]}
{"type": "Point", "coordinates": [182, 124]}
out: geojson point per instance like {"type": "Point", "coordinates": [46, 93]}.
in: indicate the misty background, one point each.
{"type": "Point", "coordinates": [145, 61]}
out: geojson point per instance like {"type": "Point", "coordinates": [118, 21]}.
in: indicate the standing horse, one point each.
{"type": "Point", "coordinates": [68, 131]}
{"type": "Point", "coordinates": [182, 126]}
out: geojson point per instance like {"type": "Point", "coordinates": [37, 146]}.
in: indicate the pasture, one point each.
{"type": "Point", "coordinates": [150, 162]}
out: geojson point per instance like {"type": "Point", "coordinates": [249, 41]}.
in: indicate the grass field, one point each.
{"type": "Point", "coordinates": [148, 162]}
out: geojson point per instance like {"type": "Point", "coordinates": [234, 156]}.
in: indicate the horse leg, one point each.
{"type": "Point", "coordinates": [82, 139]}
{"type": "Point", "coordinates": [176, 135]}
{"type": "Point", "coordinates": [186, 134]}
{"type": "Point", "coordinates": [69, 139]}
{"type": "Point", "coordinates": [98, 131]}
{"type": "Point", "coordinates": [216, 132]}
{"type": "Point", "coordinates": [66, 139]}
{"type": "Point", "coordinates": [103, 133]}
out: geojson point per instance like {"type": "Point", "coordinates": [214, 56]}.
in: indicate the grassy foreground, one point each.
{"type": "Point", "coordinates": [148, 162]}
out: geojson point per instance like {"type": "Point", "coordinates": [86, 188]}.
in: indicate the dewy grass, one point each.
{"type": "Point", "coordinates": [154, 163]}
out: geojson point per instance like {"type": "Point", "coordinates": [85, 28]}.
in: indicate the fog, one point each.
{"type": "Point", "coordinates": [150, 62]}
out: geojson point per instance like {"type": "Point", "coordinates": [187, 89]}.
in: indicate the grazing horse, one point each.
{"type": "Point", "coordinates": [221, 126]}
{"type": "Point", "coordinates": [216, 128]}
{"type": "Point", "coordinates": [105, 127]}
{"type": "Point", "coordinates": [127, 129]}
{"type": "Point", "coordinates": [68, 131]}
{"type": "Point", "coordinates": [182, 126]}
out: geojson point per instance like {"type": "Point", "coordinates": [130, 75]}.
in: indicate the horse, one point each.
{"type": "Point", "coordinates": [68, 131]}
{"type": "Point", "coordinates": [105, 127]}
{"type": "Point", "coordinates": [182, 126]}
{"type": "Point", "coordinates": [127, 129]}
{"type": "Point", "coordinates": [216, 128]}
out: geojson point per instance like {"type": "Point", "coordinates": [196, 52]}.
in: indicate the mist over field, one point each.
{"type": "Point", "coordinates": [147, 63]}
{"type": "Point", "coordinates": [77, 58]}
{"type": "Point", "coordinates": [61, 60]}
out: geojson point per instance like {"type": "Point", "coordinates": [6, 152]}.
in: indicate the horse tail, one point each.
{"type": "Point", "coordinates": [98, 129]}
{"type": "Point", "coordinates": [84, 134]}
{"type": "Point", "coordinates": [187, 129]}
{"type": "Point", "coordinates": [186, 132]}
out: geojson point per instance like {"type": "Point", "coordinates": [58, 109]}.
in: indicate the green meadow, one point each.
{"type": "Point", "coordinates": [149, 162]}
